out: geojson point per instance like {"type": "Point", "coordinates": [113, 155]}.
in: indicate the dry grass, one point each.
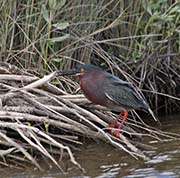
{"type": "Point", "coordinates": [136, 40]}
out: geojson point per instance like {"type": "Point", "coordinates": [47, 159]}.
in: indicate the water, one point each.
{"type": "Point", "coordinates": [103, 161]}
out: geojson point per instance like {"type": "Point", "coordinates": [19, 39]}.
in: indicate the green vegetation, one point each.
{"type": "Point", "coordinates": [139, 37]}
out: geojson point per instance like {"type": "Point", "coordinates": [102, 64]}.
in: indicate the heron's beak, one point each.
{"type": "Point", "coordinates": [73, 72]}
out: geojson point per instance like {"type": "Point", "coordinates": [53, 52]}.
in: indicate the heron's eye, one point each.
{"type": "Point", "coordinates": [82, 70]}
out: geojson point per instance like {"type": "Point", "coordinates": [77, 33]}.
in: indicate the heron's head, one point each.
{"type": "Point", "coordinates": [80, 71]}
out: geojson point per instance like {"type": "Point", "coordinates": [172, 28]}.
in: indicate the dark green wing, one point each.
{"type": "Point", "coordinates": [124, 94]}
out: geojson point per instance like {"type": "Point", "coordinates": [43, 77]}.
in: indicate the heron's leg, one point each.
{"type": "Point", "coordinates": [113, 125]}
{"type": "Point", "coordinates": [123, 121]}
{"type": "Point", "coordinates": [118, 131]}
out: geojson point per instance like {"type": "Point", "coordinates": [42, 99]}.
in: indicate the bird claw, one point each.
{"type": "Point", "coordinates": [115, 133]}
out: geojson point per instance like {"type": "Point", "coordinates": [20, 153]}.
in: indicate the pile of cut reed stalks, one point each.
{"type": "Point", "coordinates": [38, 119]}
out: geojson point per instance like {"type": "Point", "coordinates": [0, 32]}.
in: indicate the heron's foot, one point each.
{"type": "Point", "coordinates": [113, 131]}
{"type": "Point", "coordinates": [116, 132]}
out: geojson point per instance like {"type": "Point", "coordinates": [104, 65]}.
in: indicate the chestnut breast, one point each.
{"type": "Point", "coordinates": [92, 85]}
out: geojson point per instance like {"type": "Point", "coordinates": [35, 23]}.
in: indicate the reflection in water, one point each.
{"type": "Point", "coordinates": [103, 161]}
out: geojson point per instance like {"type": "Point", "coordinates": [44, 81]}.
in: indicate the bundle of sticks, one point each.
{"type": "Point", "coordinates": [39, 118]}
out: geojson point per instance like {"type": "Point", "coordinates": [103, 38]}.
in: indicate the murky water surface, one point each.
{"type": "Point", "coordinates": [103, 161]}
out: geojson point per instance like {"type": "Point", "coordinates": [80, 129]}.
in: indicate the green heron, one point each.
{"type": "Point", "coordinates": [105, 89]}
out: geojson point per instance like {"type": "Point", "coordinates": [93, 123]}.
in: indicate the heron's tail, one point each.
{"type": "Point", "coordinates": [153, 116]}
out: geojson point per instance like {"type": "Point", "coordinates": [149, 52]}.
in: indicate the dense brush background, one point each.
{"type": "Point", "coordinates": [136, 40]}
